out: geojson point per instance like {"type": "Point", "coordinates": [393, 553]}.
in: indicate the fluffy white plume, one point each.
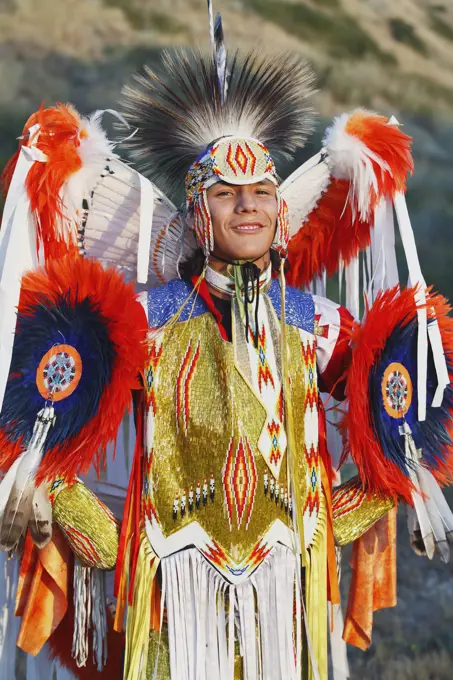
{"type": "Point", "coordinates": [349, 158]}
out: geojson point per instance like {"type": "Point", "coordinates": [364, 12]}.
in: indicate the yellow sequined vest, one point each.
{"type": "Point", "coordinates": [216, 474]}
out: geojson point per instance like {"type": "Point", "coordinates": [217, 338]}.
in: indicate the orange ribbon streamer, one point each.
{"type": "Point", "coordinates": [42, 594]}
{"type": "Point", "coordinates": [373, 584]}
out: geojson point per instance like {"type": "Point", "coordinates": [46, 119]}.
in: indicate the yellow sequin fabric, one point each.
{"type": "Point", "coordinates": [355, 511]}
{"type": "Point", "coordinates": [88, 525]}
{"type": "Point", "coordinates": [206, 420]}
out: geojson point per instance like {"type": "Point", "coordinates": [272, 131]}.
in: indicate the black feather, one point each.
{"type": "Point", "coordinates": [179, 111]}
{"type": "Point", "coordinates": [218, 30]}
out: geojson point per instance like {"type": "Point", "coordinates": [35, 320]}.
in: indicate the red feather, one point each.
{"type": "Point", "coordinates": [334, 230]}
{"type": "Point", "coordinates": [59, 138]}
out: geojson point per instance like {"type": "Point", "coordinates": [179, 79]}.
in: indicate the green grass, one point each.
{"type": "Point", "coordinates": [405, 33]}
{"type": "Point", "coordinates": [441, 27]}
{"type": "Point", "coordinates": [327, 3]}
{"type": "Point", "coordinates": [132, 14]}
{"type": "Point", "coordinates": [165, 23]}
{"type": "Point", "coordinates": [339, 32]}
{"type": "Point", "coordinates": [145, 19]}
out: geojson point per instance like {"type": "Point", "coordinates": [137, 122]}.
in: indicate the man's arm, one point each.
{"type": "Point", "coordinates": [355, 510]}
{"type": "Point", "coordinates": [333, 351]}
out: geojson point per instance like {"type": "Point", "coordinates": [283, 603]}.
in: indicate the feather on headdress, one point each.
{"type": "Point", "coordinates": [179, 114]}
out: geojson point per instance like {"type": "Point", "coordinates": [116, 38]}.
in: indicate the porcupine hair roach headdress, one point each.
{"type": "Point", "coordinates": [208, 118]}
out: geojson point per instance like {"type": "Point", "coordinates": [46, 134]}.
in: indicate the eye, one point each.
{"type": "Point", "coordinates": [224, 192]}
{"type": "Point", "coordinates": [264, 192]}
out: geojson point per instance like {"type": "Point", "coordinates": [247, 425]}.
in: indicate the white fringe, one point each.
{"type": "Point", "coordinates": [89, 612]}
{"type": "Point", "coordinates": [9, 624]}
{"type": "Point", "coordinates": [82, 614]}
{"type": "Point", "coordinates": [99, 618]}
{"type": "Point", "coordinates": [206, 614]}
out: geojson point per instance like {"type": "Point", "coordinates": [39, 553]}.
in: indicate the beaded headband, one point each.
{"type": "Point", "coordinates": [233, 160]}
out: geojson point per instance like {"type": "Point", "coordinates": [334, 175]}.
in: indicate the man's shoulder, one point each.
{"type": "Point", "coordinates": [165, 301]}
{"type": "Point", "coordinates": [300, 308]}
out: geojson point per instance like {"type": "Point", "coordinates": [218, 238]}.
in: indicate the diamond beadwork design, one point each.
{"type": "Point", "coordinates": [240, 481]}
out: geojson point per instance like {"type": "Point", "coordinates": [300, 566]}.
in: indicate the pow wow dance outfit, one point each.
{"type": "Point", "coordinates": [225, 559]}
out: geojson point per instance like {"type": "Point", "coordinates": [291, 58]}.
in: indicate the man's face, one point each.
{"type": "Point", "coordinates": [244, 219]}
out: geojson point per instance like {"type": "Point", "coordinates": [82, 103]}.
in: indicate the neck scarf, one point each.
{"type": "Point", "coordinates": [244, 281]}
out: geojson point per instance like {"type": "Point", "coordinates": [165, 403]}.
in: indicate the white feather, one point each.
{"type": "Point", "coordinates": [434, 515]}
{"type": "Point", "coordinates": [18, 505]}
{"type": "Point", "coordinates": [93, 152]}
{"type": "Point", "coordinates": [7, 483]}
{"type": "Point", "coordinates": [303, 189]}
{"type": "Point", "coordinates": [424, 522]}
{"type": "Point", "coordinates": [113, 226]}
{"type": "Point", "coordinates": [442, 506]}
{"type": "Point", "coordinates": [349, 158]}
{"type": "Point", "coordinates": [40, 523]}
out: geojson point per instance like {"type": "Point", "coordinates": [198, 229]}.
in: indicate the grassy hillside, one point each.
{"type": "Point", "coordinates": [375, 53]}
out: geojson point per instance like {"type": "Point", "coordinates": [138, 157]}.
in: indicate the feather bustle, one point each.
{"type": "Point", "coordinates": [379, 457]}
{"type": "Point", "coordinates": [125, 322]}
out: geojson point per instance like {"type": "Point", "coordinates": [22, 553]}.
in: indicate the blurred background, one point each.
{"type": "Point", "coordinates": [393, 56]}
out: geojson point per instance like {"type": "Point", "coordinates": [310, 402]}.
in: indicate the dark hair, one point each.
{"type": "Point", "coordinates": [193, 265]}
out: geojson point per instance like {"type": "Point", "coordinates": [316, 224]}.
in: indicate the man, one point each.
{"type": "Point", "coordinates": [227, 545]}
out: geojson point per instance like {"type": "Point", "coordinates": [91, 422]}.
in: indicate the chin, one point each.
{"type": "Point", "coordinates": [249, 249]}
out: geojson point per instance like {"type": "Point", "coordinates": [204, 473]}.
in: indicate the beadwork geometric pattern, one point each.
{"type": "Point", "coordinates": [281, 238]}
{"type": "Point", "coordinates": [183, 385]}
{"type": "Point", "coordinates": [202, 223]}
{"type": "Point", "coordinates": [264, 371]}
{"type": "Point", "coordinates": [59, 372]}
{"type": "Point", "coordinates": [396, 390]}
{"type": "Point", "coordinates": [321, 331]}
{"type": "Point", "coordinates": [240, 480]}
{"type": "Point", "coordinates": [272, 441]}
{"type": "Point", "coordinates": [311, 446]}
{"type": "Point", "coordinates": [241, 159]}
{"type": "Point", "coordinates": [155, 354]}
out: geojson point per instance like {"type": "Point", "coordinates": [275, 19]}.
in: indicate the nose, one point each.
{"type": "Point", "coordinates": [246, 201]}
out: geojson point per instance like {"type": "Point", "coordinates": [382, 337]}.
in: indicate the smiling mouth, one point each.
{"type": "Point", "coordinates": [248, 228]}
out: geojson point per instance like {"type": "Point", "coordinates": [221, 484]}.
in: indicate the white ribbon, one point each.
{"type": "Point", "coordinates": [385, 273]}
{"type": "Point", "coordinates": [352, 287]}
{"type": "Point", "coordinates": [416, 278]}
{"type": "Point", "coordinates": [18, 253]}
{"type": "Point", "coordinates": [146, 226]}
